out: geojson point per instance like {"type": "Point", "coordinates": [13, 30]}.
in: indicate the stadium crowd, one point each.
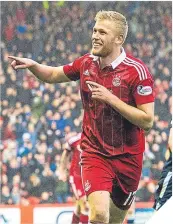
{"type": "Point", "coordinates": [37, 118]}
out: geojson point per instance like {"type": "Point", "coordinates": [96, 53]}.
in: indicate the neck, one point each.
{"type": "Point", "coordinates": [105, 61]}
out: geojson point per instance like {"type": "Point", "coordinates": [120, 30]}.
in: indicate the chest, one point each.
{"type": "Point", "coordinates": [116, 80]}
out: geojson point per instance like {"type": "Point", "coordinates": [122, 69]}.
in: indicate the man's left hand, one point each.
{"type": "Point", "coordinates": [99, 92]}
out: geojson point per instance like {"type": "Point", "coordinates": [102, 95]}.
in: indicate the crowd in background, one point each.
{"type": "Point", "coordinates": [37, 118]}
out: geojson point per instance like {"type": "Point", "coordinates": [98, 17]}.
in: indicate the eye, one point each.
{"type": "Point", "coordinates": [102, 32]}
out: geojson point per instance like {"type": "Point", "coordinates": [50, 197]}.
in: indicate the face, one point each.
{"type": "Point", "coordinates": [103, 38]}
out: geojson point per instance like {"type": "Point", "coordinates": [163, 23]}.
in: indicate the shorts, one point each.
{"type": "Point", "coordinates": [77, 180]}
{"type": "Point", "coordinates": [164, 190]}
{"type": "Point", "coordinates": [119, 175]}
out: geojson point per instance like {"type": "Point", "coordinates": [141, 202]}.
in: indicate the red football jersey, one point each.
{"type": "Point", "coordinates": [105, 131]}
{"type": "Point", "coordinates": [74, 143]}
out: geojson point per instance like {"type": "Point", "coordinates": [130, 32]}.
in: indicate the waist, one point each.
{"type": "Point", "coordinates": [99, 147]}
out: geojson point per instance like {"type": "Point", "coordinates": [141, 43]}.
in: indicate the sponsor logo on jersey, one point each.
{"type": "Point", "coordinates": [144, 90]}
{"type": "Point", "coordinates": [116, 81]}
{"type": "Point", "coordinates": [87, 185]}
{"type": "Point", "coordinates": [86, 73]}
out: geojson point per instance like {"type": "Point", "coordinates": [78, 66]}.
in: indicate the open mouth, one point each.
{"type": "Point", "coordinates": [95, 45]}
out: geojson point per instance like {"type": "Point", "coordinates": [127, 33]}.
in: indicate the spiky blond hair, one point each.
{"type": "Point", "coordinates": [119, 20]}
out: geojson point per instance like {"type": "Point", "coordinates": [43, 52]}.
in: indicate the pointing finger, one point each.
{"type": "Point", "coordinates": [15, 58]}
{"type": "Point", "coordinates": [89, 86]}
{"type": "Point", "coordinates": [93, 83]}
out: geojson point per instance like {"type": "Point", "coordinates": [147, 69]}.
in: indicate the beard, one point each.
{"type": "Point", "coordinates": [101, 51]}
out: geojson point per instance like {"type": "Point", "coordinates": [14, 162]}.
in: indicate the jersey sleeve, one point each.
{"type": "Point", "coordinates": [71, 145]}
{"type": "Point", "coordinates": [143, 87]}
{"type": "Point", "coordinates": [68, 147]}
{"type": "Point", "coordinates": [74, 140]}
{"type": "Point", "coordinates": [72, 70]}
{"type": "Point", "coordinates": [71, 178]}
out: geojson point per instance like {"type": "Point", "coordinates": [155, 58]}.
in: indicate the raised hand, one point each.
{"type": "Point", "coordinates": [99, 92]}
{"type": "Point", "coordinates": [21, 63]}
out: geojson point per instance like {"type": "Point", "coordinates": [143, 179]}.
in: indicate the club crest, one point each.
{"type": "Point", "coordinates": [116, 81]}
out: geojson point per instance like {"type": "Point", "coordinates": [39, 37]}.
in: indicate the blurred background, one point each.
{"type": "Point", "coordinates": [36, 117]}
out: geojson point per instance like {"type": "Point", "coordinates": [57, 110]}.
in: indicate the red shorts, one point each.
{"type": "Point", "coordinates": [120, 176]}
{"type": "Point", "coordinates": [77, 180]}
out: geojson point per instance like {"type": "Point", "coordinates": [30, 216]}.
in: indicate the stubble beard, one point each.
{"type": "Point", "coordinates": [102, 53]}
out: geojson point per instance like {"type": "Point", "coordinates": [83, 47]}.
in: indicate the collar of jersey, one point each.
{"type": "Point", "coordinates": [117, 61]}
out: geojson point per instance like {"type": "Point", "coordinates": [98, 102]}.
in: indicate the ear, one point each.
{"type": "Point", "coordinates": [119, 39]}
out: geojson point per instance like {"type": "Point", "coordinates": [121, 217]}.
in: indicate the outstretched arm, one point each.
{"type": "Point", "coordinates": [45, 73]}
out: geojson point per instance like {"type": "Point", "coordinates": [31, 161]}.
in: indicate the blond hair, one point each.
{"type": "Point", "coordinates": [119, 20]}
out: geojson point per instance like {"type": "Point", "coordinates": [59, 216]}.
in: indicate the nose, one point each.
{"type": "Point", "coordinates": [95, 36]}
